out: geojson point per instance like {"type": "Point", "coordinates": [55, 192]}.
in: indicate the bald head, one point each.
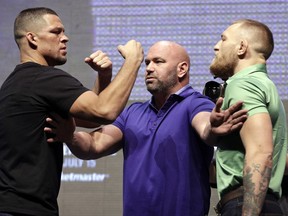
{"type": "Point", "coordinates": [258, 35]}
{"type": "Point", "coordinates": [171, 49]}
{"type": "Point", "coordinates": [173, 53]}
{"type": "Point", "coordinates": [167, 68]}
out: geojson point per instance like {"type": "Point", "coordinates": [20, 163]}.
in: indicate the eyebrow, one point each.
{"type": "Point", "coordinates": [57, 28]}
{"type": "Point", "coordinates": [154, 59]}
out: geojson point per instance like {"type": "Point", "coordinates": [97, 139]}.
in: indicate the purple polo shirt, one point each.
{"type": "Point", "coordinates": [165, 163]}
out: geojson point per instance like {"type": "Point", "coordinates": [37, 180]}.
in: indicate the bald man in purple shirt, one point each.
{"type": "Point", "coordinates": [164, 140]}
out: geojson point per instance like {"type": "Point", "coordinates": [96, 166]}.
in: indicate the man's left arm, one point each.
{"type": "Point", "coordinates": [257, 138]}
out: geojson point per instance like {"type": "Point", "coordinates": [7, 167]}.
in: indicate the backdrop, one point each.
{"type": "Point", "coordinates": [95, 187]}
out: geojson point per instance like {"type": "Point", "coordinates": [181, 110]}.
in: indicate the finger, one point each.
{"type": "Point", "coordinates": [102, 61]}
{"type": "Point", "coordinates": [88, 60]}
{"type": "Point", "coordinates": [92, 56]}
{"type": "Point", "coordinates": [51, 122]}
{"type": "Point", "coordinates": [51, 140]}
{"type": "Point", "coordinates": [105, 60]}
{"type": "Point", "coordinates": [235, 107]}
{"type": "Point", "coordinates": [48, 119]}
{"type": "Point", "coordinates": [95, 54]}
{"type": "Point", "coordinates": [240, 113]}
{"type": "Point", "coordinates": [48, 130]}
{"type": "Point", "coordinates": [236, 127]}
{"type": "Point", "coordinates": [121, 50]}
{"type": "Point", "coordinates": [105, 65]}
{"type": "Point", "coordinates": [218, 105]}
{"type": "Point", "coordinates": [100, 57]}
{"type": "Point", "coordinates": [240, 119]}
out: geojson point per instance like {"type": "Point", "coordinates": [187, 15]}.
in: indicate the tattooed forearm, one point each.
{"type": "Point", "coordinates": [256, 179]}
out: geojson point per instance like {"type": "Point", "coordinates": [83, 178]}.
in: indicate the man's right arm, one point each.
{"type": "Point", "coordinates": [105, 107]}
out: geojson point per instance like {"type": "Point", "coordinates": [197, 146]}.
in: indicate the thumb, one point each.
{"type": "Point", "coordinates": [218, 105]}
{"type": "Point", "coordinates": [87, 59]}
{"type": "Point", "coordinates": [121, 50]}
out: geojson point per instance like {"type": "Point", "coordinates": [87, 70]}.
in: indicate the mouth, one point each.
{"type": "Point", "coordinates": [214, 59]}
{"type": "Point", "coordinates": [63, 50]}
{"type": "Point", "coordinates": [215, 56]}
{"type": "Point", "coordinates": [149, 79]}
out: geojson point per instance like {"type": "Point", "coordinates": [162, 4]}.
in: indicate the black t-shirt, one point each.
{"type": "Point", "coordinates": [30, 168]}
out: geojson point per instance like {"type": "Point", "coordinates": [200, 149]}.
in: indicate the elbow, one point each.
{"type": "Point", "coordinates": [111, 116]}
{"type": "Point", "coordinates": [265, 158]}
{"type": "Point", "coordinates": [96, 117]}
{"type": "Point", "coordinates": [107, 115]}
{"type": "Point", "coordinates": [107, 118]}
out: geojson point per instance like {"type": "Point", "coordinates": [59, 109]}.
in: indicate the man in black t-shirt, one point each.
{"type": "Point", "coordinates": [30, 169]}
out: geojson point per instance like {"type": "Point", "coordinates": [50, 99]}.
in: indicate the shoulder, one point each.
{"type": "Point", "coordinates": [191, 94]}
{"type": "Point", "coordinates": [56, 75]}
{"type": "Point", "coordinates": [135, 106]}
{"type": "Point", "coordinates": [199, 101]}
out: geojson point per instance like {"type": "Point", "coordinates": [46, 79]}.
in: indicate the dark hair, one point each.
{"type": "Point", "coordinates": [29, 17]}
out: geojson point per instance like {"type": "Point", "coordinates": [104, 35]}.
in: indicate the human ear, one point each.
{"type": "Point", "coordinates": [31, 37]}
{"type": "Point", "coordinates": [182, 69]}
{"type": "Point", "coordinates": [242, 47]}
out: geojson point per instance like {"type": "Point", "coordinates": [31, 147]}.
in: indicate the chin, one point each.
{"type": "Point", "coordinates": [62, 61]}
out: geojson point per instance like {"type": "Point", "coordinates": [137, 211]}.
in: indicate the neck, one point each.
{"type": "Point", "coordinates": [159, 101]}
{"type": "Point", "coordinates": [32, 56]}
{"type": "Point", "coordinates": [247, 63]}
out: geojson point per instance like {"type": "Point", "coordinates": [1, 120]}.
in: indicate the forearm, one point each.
{"type": "Point", "coordinates": [99, 143]}
{"type": "Point", "coordinates": [257, 138]}
{"type": "Point", "coordinates": [81, 145]}
{"type": "Point", "coordinates": [201, 123]}
{"type": "Point", "coordinates": [209, 137]}
{"type": "Point", "coordinates": [101, 82]}
{"type": "Point", "coordinates": [212, 126]}
{"type": "Point", "coordinates": [114, 98]}
{"type": "Point", "coordinates": [256, 178]}
{"type": "Point", "coordinates": [106, 107]}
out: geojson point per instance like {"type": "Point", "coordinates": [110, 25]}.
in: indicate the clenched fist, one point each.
{"type": "Point", "coordinates": [100, 62]}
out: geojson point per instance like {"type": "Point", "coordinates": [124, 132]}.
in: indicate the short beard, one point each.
{"type": "Point", "coordinates": [161, 87]}
{"type": "Point", "coordinates": [54, 62]}
{"type": "Point", "coordinates": [61, 61]}
{"type": "Point", "coordinates": [221, 69]}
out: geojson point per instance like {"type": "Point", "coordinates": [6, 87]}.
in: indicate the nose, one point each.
{"type": "Point", "coordinates": [216, 46]}
{"type": "Point", "coordinates": [64, 38]}
{"type": "Point", "coordinates": [149, 67]}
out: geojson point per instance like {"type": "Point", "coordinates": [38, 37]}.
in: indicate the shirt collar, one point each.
{"type": "Point", "coordinates": [182, 89]}
{"type": "Point", "coordinates": [248, 70]}
{"type": "Point", "coordinates": [173, 95]}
